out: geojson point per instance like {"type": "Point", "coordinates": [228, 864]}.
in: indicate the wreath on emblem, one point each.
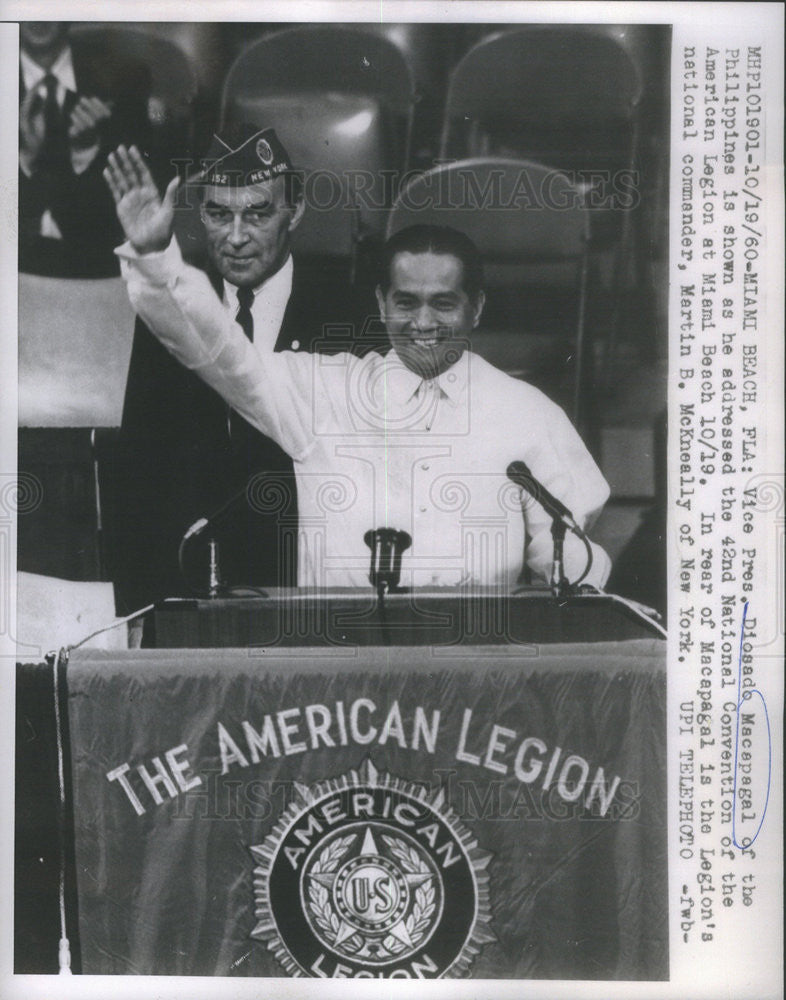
{"type": "Point", "coordinates": [319, 898]}
{"type": "Point", "coordinates": [325, 916]}
{"type": "Point", "coordinates": [366, 892]}
{"type": "Point", "coordinates": [425, 902]}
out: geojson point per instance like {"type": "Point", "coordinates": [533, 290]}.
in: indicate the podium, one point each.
{"type": "Point", "coordinates": [529, 725]}
{"type": "Point", "coordinates": [433, 617]}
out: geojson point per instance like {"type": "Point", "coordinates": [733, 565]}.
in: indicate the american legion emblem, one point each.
{"type": "Point", "coordinates": [370, 876]}
{"type": "Point", "coordinates": [264, 152]}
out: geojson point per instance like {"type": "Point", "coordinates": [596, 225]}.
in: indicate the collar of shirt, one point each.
{"type": "Point", "coordinates": [268, 307]}
{"type": "Point", "coordinates": [62, 69]}
{"type": "Point", "coordinates": [403, 384]}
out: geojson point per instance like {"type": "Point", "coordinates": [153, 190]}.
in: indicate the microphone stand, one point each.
{"type": "Point", "coordinates": [216, 586]}
{"type": "Point", "coordinates": [560, 587]}
{"type": "Point", "coordinates": [382, 589]}
{"type": "Point", "coordinates": [561, 520]}
{"type": "Point", "coordinates": [387, 546]}
{"type": "Point", "coordinates": [214, 574]}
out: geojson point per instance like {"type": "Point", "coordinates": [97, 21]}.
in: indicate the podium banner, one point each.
{"type": "Point", "coordinates": [372, 813]}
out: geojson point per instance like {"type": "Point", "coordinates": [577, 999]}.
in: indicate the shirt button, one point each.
{"type": "Point", "coordinates": [295, 345]}
{"type": "Point", "coordinates": [451, 377]}
{"type": "Point", "coordinates": [423, 510]}
{"type": "Point", "coordinates": [425, 466]}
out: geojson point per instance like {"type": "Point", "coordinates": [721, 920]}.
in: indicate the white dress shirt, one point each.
{"type": "Point", "coordinates": [374, 445]}
{"type": "Point", "coordinates": [62, 69]}
{"type": "Point", "coordinates": [268, 307]}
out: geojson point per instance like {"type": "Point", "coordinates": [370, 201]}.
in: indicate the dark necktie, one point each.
{"type": "Point", "coordinates": [54, 150]}
{"type": "Point", "coordinates": [245, 299]}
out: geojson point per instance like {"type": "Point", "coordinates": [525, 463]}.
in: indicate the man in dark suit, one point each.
{"type": "Point", "coordinates": [183, 454]}
{"type": "Point", "coordinates": [76, 103]}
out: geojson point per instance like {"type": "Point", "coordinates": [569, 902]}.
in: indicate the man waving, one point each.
{"type": "Point", "coordinates": [417, 439]}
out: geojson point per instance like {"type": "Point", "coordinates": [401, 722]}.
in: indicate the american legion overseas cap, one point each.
{"type": "Point", "coordinates": [244, 154]}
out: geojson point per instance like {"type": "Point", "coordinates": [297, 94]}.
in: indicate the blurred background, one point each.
{"type": "Point", "coordinates": [556, 139]}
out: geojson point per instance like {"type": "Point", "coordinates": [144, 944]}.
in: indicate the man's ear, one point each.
{"type": "Point", "coordinates": [479, 303]}
{"type": "Point", "coordinates": [380, 302]}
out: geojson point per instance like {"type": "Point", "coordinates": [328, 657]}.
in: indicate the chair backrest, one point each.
{"type": "Point", "coordinates": [321, 58]}
{"type": "Point", "coordinates": [201, 41]}
{"type": "Point", "coordinates": [332, 138]}
{"type": "Point", "coordinates": [515, 211]}
{"type": "Point", "coordinates": [174, 83]}
{"type": "Point", "coordinates": [428, 48]}
{"type": "Point", "coordinates": [561, 95]}
{"type": "Point", "coordinates": [75, 341]}
{"type": "Point", "coordinates": [341, 101]}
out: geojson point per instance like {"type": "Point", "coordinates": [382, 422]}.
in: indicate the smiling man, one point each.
{"type": "Point", "coordinates": [183, 452]}
{"type": "Point", "coordinates": [418, 439]}
{"type": "Point", "coordinates": [430, 299]}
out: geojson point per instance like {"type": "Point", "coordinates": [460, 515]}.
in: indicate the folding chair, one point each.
{"type": "Point", "coordinates": [568, 97]}
{"type": "Point", "coordinates": [341, 100]}
{"type": "Point", "coordinates": [562, 96]}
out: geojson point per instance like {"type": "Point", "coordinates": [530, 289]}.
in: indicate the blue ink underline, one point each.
{"type": "Point", "coordinates": [740, 699]}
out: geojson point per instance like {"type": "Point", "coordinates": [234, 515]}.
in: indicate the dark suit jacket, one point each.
{"type": "Point", "coordinates": [81, 204]}
{"type": "Point", "coordinates": [177, 462]}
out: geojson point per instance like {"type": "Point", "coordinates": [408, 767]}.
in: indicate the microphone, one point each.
{"type": "Point", "coordinates": [214, 573]}
{"type": "Point", "coordinates": [215, 583]}
{"type": "Point", "coordinates": [518, 473]}
{"type": "Point", "coordinates": [199, 526]}
{"type": "Point", "coordinates": [196, 528]}
{"type": "Point", "coordinates": [561, 521]}
{"type": "Point", "coordinates": [387, 546]}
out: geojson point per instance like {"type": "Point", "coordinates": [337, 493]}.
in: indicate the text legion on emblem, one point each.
{"type": "Point", "coordinates": [370, 876]}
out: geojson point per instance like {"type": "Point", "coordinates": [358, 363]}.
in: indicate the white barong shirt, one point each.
{"type": "Point", "coordinates": [375, 445]}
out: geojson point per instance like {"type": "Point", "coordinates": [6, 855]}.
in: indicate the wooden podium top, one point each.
{"type": "Point", "coordinates": [429, 617]}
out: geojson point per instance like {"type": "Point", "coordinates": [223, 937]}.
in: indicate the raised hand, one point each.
{"type": "Point", "coordinates": [145, 217]}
